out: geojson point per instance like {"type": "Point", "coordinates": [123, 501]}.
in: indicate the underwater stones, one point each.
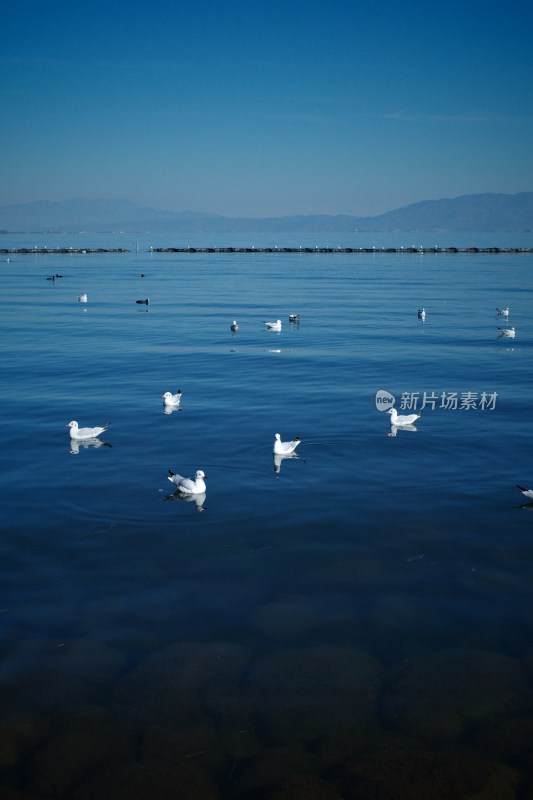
{"type": "Point", "coordinates": [296, 618]}
{"type": "Point", "coordinates": [65, 759]}
{"type": "Point", "coordinates": [147, 780]}
{"type": "Point", "coordinates": [305, 787]}
{"type": "Point", "coordinates": [173, 682]}
{"type": "Point", "coordinates": [511, 741]}
{"type": "Point", "coordinates": [50, 674]}
{"type": "Point", "coordinates": [308, 692]}
{"type": "Point", "coordinates": [18, 736]}
{"type": "Point", "coordinates": [440, 696]}
{"type": "Point", "coordinates": [195, 744]}
{"type": "Point", "coordinates": [274, 765]}
{"type": "Point", "coordinates": [429, 776]}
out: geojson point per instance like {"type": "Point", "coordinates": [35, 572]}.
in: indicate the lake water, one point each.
{"type": "Point", "coordinates": [352, 623]}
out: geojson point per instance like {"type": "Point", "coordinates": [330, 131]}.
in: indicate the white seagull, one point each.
{"type": "Point", "coordinates": [274, 326]}
{"type": "Point", "coordinates": [234, 327]}
{"type": "Point", "coordinates": [422, 314]}
{"type": "Point", "coordinates": [399, 421]}
{"type": "Point", "coordinates": [509, 332]}
{"type": "Point", "coordinates": [82, 298]}
{"type": "Point", "coordinates": [187, 485]}
{"type": "Point", "coordinates": [85, 433]}
{"type": "Point", "coordinates": [285, 448]}
{"type": "Point", "coordinates": [172, 399]}
{"type": "Point", "coordinates": [527, 492]}
{"type": "Point", "coordinates": [504, 312]}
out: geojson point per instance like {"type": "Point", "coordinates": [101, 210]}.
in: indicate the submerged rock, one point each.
{"type": "Point", "coordinates": [50, 674]}
{"type": "Point", "coordinates": [441, 696]}
{"type": "Point", "coordinates": [429, 776]}
{"type": "Point", "coordinates": [174, 681]}
{"type": "Point", "coordinates": [148, 780]}
{"type": "Point", "coordinates": [307, 693]}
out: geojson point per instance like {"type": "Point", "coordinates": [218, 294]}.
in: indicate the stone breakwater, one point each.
{"type": "Point", "coordinates": [84, 250]}
{"type": "Point", "coordinates": [341, 250]}
{"type": "Point", "coordinates": [54, 250]}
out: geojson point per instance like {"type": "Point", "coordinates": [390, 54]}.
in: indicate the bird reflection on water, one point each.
{"type": "Point", "coordinates": [75, 444]}
{"type": "Point", "coordinates": [199, 499]}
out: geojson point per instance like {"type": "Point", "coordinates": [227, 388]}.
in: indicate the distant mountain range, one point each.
{"type": "Point", "coordinates": [474, 212]}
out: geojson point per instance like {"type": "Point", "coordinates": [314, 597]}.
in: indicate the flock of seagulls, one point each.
{"type": "Point", "coordinates": [508, 333]}
{"type": "Point", "coordinates": [184, 486]}
{"type": "Point", "coordinates": [270, 326]}
{"type": "Point", "coordinates": [189, 487]}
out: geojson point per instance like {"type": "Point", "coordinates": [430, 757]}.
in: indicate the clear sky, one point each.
{"type": "Point", "coordinates": [265, 108]}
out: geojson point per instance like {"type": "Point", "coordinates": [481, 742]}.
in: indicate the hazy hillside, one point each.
{"type": "Point", "coordinates": [477, 212]}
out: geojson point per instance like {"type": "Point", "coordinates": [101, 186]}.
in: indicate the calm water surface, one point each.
{"type": "Point", "coordinates": [349, 623]}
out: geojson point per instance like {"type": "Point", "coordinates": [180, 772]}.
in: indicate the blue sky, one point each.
{"type": "Point", "coordinates": [266, 108]}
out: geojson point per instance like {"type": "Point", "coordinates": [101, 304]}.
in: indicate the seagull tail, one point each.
{"type": "Point", "coordinates": [521, 488]}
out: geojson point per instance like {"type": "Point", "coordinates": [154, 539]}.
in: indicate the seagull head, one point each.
{"type": "Point", "coordinates": [200, 475]}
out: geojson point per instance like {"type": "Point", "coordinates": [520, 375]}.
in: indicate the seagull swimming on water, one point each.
{"type": "Point", "coordinates": [422, 314]}
{"type": "Point", "coordinates": [294, 318]}
{"type": "Point", "coordinates": [398, 421]}
{"type": "Point", "coordinates": [503, 312]}
{"type": "Point", "coordinates": [527, 492]}
{"type": "Point", "coordinates": [85, 433]}
{"type": "Point", "coordinates": [234, 326]}
{"type": "Point", "coordinates": [172, 399]}
{"type": "Point", "coordinates": [82, 298]}
{"type": "Point", "coordinates": [509, 332]}
{"type": "Point", "coordinates": [285, 448]}
{"type": "Point", "coordinates": [274, 326]}
{"type": "Point", "coordinates": [187, 485]}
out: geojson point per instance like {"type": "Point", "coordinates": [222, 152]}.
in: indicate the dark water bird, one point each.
{"type": "Point", "coordinates": [294, 318]}
{"type": "Point", "coordinates": [234, 326]}
{"type": "Point", "coordinates": [143, 302]}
